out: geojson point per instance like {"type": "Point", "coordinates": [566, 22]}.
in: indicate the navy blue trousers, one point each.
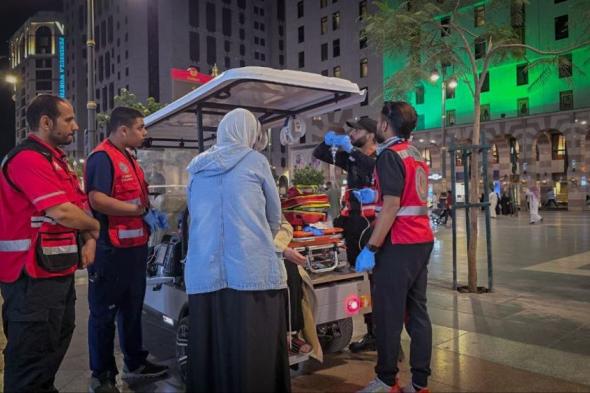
{"type": "Point", "coordinates": [116, 290]}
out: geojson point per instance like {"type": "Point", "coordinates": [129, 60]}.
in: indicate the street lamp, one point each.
{"type": "Point", "coordinates": [11, 79]}
{"type": "Point", "coordinates": [91, 102]}
{"type": "Point", "coordinates": [451, 83]}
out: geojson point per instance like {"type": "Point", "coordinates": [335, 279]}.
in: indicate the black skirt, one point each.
{"type": "Point", "coordinates": [238, 342]}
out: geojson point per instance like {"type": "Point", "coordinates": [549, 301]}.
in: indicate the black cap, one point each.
{"type": "Point", "coordinates": [364, 123]}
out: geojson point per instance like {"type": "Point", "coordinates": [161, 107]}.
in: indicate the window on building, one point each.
{"type": "Point", "coordinates": [281, 30]}
{"type": "Point", "coordinates": [364, 68]}
{"type": "Point", "coordinates": [336, 48]}
{"type": "Point", "coordinates": [300, 9]}
{"type": "Point", "coordinates": [325, 72]}
{"type": "Point", "coordinates": [193, 13]}
{"type": "Point", "coordinates": [324, 25]}
{"type": "Point", "coordinates": [300, 34]}
{"type": "Point", "coordinates": [324, 52]}
{"type": "Point", "coordinates": [226, 46]}
{"type": "Point", "coordinates": [323, 3]}
{"type": "Point", "coordinates": [565, 66]}
{"type": "Point", "coordinates": [256, 56]}
{"type": "Point", "coordinates": [480, 47]}
{"type": "Point", "coordinates": [100, 68]}
{"type": "Point", "coordinates": [420, 122]}
{"type": "Point", "coordinates": [479, 14]}
{"type": "Point", "coordinates": [242, 4]}
{"type": "Point", "coordinates": [256, 25]}
{"type": "Point", "coordinates": [262, 57]}
{"type": "Point", "coordinates": [337, 71]}
{"type": "Point", "coordinates": [194, 47]}
{"type": "Point", "coordinates": [558, 146]}
{"type": "Point", "coordinates": [111, 95]}
{"type": "Point", "coordinates": [445, 30]}
{"type": "Point", "coordinates": [242, 50]}
{"type": "Point", "coordinates": [522, 74]}
{"type": "Point", "coordinates": [105, 98]}
{"type": "Point", "coordinates": [494, 154]}
{"type": "Point", "coordinates": [517, 19]}
{"type": "Point", "coordinates": [210, 12]}
{"type": "Point", "coordinates": [449, 92]}
{"type": "Point", "coordinates": [485, 87]}
{"type": "Point", "coordinates": [419, 95]}
{"type": "Point", "coordinates": [226, 21]}
{"type": "Point", "coordinates": [107, 65]}
{"type": "Point", "coordinates": [103, 32]}
{"type": "Point", "coordinates": [362, 39]}
{"type": "Point", "coordinates": [450, 117]}
{"type": "Point", "coordinates": [256, 40]}
{"type": "Point", "coordinates": [336, 20]}
{"type": "Point", "coordinates": [566, 100]}
{"type": "Point", "coordinates": [561, 27]}
{"type": "Point", "coordinates": [242, 34]}
{"type": "Point", "coordinates": [485, 114]}
{"type": "Point", "coordinates": [281, 60]}
{"type": "Point", "coordinates": [362, 9]}
{"type": "Point", "coordinates": [262, 42]}
{"type": "Point", "coordinates": [281, 45]}
{"type": "Point", "coordinates": [211, 50]}
{"type": "Point", "coordinates": [262, 27]}
{"type": "Point", "coordinates": [522, 106]}
{"type": "Point", "coordinates": [242, 18]}
{"type": "Point", "coordinates": [81, 17]}
{"type": "Point", "coordinates": [426, 156]}
{"type": "Point", "coordinates": [242, 63]}
{"type": "Point", "coordinates": [110, 29]}
{"type": "Point", "coordinates": [301, 59]}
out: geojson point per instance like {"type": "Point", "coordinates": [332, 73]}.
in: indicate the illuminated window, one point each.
{"type": "Point", "coordinates": [566, 100]}
{"type": "Point", "coordinates": [484, 114]}
{"type": "Point", "coordinates": [479, 13]}
{"type": "Point", "coordinates": [523, 106]}
{"type": "Point", "coordinates": [362, 9]}
{"type": "Point", "coordinates": [324, 25]}
{"type": "Point", "coordinates": [426, 156]}
{"type": "Point", "coordinates": [565, 66]}
{"type": "Point", "coordinates": [450, 117]}
{"type": "Point", "coordinates": [495, 155]}
{"type": "Point", "coordinates": [335, 20]}
{"type": "Point", "coordinates": [364, 68]}
{"type": "Point", "coordinates": [558, 146]}
{"type": "Point", "coordinates": [337, 71]}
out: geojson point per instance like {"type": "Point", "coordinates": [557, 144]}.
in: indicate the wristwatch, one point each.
{"type": "Point", "coordinates": [372, 248]}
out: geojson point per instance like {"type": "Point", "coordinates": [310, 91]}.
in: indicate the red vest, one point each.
{"type": "Point", "coordinates": [129, 186]}
{"type": "Point", "coordinates": [28, 238]}
{"type": "Point", "coordinates": [411, 225]}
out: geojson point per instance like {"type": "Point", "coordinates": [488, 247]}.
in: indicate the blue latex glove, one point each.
{"type": "Point", "coordinates": [314, 230]}
{"type": "Point", "coordinates": [343, 142]}
{"type": "Point", "coordinates": [365, 261]}
{"type": "Point", "coordinates": [151, 219]}
{"type": "Point", "coordinates": [162, 220]}
{"type": "Point", "coordinates": [329, 138]}
{"type": "Point", "coordinates": [365, 195]}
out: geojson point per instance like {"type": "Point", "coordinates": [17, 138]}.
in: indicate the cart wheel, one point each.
{"type": "Point", "coordinates": [182, 347]}
{"type": "Point", "coordinates": [335, 336]}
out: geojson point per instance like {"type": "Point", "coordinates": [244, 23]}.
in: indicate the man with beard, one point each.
{"type": "Point", "coordinates": [356, 155]}
{"type": "Point", "coordinates": [118, 194]}
{"type": "Point", "coordinates": [45, 235]}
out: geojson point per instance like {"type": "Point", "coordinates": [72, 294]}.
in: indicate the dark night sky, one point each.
{"type": "Point", "coordinates": [12, 15]}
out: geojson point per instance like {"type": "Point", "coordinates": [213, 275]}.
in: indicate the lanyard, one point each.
{"type": "Point", "coordinates": [390, 142]}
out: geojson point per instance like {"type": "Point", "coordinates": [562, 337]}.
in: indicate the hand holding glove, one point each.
{"type": "Point", "coordinates": [162, 220]}
{"type": "Point", "coordinates": [329, 138]}
{"type": "Point", "coordinates": [365, 261]}
{"type": "Point", "coordinates": [151, 219]}
{"type": "Point", "coordinates": [365, 195]}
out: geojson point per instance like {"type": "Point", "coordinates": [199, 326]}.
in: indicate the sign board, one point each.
{"type": "Point", "coordinates": [183, 81]}
{"type": "Point", "coordinates": [61, 55]}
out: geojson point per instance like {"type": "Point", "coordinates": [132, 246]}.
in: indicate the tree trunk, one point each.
{"type": "Point", "coordinates": [474, 198]}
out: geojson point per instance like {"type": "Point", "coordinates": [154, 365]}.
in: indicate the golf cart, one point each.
{"type": "Point", "coordinates": [182, 129]}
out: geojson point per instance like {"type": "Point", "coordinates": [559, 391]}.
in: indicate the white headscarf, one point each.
{"type": "Point", "coordinates": [238, 127]}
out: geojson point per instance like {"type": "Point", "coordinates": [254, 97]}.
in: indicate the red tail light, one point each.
{"type": "Point", "coordinates": [352, 304]}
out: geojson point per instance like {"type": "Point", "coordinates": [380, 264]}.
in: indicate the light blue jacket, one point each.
{"type": "Point", "coordinates": [235, 212]}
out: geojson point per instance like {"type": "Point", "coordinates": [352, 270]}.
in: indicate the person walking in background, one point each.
{"type": "Point", "coordinates": [236, 283]}
{"type": "Point", "coordinates": [493, 198]}
{"type": "Point", "coordinates": [534, 196]}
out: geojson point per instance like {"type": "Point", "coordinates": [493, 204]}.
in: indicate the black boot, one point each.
{"type": "Point", "coordinates": [367, 343]}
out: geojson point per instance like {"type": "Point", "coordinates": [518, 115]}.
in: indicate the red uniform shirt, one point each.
{"type": "Point", "coordinates": [42, 186]}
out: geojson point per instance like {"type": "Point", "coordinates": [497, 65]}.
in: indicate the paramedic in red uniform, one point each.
{"type": "Point", "coordinates": [44, 236]}
{"type": "Point", "coordinates": [118, 194]}
{"type": "Point", "coordinates": [398, 252]}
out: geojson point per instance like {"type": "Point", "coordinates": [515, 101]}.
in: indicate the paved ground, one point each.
{"type": "Point", "coordinates": [531, 334]}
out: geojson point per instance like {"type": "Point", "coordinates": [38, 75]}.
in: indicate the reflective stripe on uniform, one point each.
{"type": "Point", "coordinates": [135, 201]}
{"type": "Point", "coordinates": [15, 245]}
{"type": "Point", "coordinates": [57, 250]}
{"type": "Point", "coordinates": [37, 221]}
{"type": "Point", "coordinates": [42, 197]}
{"type": "Point", "coordinates": [413, 211]}
{"type": "Point", "coordinates": [130, 233]}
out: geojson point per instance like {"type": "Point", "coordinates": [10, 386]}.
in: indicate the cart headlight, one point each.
{"type": "Point", "coordinates": [168, 320]}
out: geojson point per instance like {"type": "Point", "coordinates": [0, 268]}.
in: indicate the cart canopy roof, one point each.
{"type": "Point", "coordinates": [272, 95]}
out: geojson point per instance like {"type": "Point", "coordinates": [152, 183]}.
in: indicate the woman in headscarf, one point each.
{"type": "Point", "coordinates": [234, 278]}
{"type": "Point", "coordinates": [534, 196]}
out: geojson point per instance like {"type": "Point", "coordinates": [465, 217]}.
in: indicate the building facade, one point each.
{"type": "Point", "coordinates": [536, 119]}
{"type": "Point", "coordinates": [139, 43]}
{"type": "Point", "coordinates": [37, 60]}
{"type": "Point", "coordinates": [327, 37]}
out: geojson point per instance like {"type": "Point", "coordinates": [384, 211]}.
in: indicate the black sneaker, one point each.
{"type": "Point", "coordinates": [367, 343]}
{"type": "Point", "coordinates": [104, 384]}
{"type": "Point", "coordinates": [146, 370]}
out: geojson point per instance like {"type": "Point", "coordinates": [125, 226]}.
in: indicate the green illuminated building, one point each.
{"type": "Point", "coordinates": [537, 124]}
